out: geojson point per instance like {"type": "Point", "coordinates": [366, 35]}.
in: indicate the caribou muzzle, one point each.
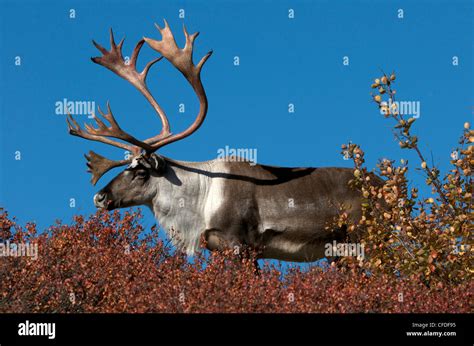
{"type": "Point", "coordinates": [100, 200]}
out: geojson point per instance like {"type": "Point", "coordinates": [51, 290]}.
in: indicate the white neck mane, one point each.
{"type": "Point", "coordinates": [179, 206]}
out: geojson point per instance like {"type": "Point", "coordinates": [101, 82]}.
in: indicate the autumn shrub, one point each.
{"type": "Point", "coordinates": [108, 263]}
{"type": "Point", "coordinates": [406, 235]}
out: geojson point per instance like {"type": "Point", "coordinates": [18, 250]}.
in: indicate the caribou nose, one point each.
{"type": "Point", "coordinates": [100, 200]}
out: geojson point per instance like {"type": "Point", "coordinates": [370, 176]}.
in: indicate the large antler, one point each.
{"type": "Point", "coordinates": [182, 59]}
{"type": "Point", "coordinates": [114, 61]}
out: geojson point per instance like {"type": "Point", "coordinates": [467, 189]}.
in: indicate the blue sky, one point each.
{"type": "Point", "coordinates": [282, 61]}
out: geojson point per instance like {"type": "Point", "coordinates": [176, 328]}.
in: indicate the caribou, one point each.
{"type": "Point", "coordinates": [283, 212]}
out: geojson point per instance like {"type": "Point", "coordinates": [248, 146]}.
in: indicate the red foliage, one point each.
{"type": "Point", "coordinates": [106, 263]}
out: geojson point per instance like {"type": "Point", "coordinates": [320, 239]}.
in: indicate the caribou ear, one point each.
{"type": "Point", "coordinates": [157, 162]}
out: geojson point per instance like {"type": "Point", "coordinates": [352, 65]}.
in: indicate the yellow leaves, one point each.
{"type": "Point", "coordinates": [402, 228]}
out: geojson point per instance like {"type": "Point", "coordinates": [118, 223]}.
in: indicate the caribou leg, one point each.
{"type": "Point", "coordinates": [215, 241]}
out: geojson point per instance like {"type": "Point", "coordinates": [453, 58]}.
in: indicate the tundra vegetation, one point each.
{"type": "Point", "coordinates": [417, 253]}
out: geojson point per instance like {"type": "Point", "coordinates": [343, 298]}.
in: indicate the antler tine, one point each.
{"type": "Point", "coordinates": [182, 59]}
{"type": "Point", "coordinates": [189, 45]}
{"type": "Point", "coordinates": [144, 73]}
{"type": "Point", "coordinates": [203, 60]}
{"type": "Point", "coordinates": [114, 61]}
{"type": "Point", "coordinates": [99, 47]}
{"type": "Point", "coordinates": [109, 116]}
{"type": "Point", "coordinates": [112, 40]}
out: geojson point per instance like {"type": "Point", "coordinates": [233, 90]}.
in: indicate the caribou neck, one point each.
{"type": "Point", "coordinates": [179, 202]}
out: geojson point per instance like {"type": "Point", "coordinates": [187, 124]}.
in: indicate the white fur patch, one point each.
{"type": "Point", "coordinates": [179, 209]}
{"type": "Point", "coordinates": [134, 162]}
{"type": "Point", "coordinates": [285, 246]}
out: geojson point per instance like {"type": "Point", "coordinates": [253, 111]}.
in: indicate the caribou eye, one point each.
{"type": "Point", "coordinates": [141, 173]}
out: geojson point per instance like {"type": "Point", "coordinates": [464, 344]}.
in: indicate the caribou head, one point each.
{"type": "Point", "coordinates": [134, 186]}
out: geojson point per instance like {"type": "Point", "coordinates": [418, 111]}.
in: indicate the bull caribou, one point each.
{"type": "Point", "coordinates": [281, 211]}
